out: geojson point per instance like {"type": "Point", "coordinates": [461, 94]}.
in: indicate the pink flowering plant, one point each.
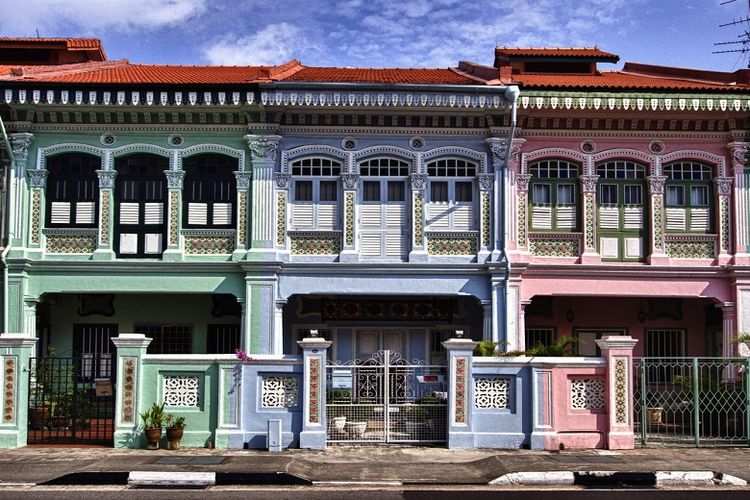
{"type": "Point", "coordinates": [174, 422]}
{"type": "Point", "coordinates": [242, 355]}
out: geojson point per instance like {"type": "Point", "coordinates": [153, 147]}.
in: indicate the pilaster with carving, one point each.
{"type": "Point", "coordinates": [106, 223]}
{"type": "Point", "coordinates": [263, 153]}
{"type": "Point", "coordinates": [486, 184]}
{"type": "Point", "coordinates": [723, 188]}
{"type": "Point", "coordinates": [522, 209]}
{"type": "Point", "coordinates": [20, 144]}
{"type": "Point", "coordinates": [588, 197]}
{"type": "Point", "coordinates": [175, 180]}
{"type": "Point", "coordinates": [37, 180]}
{"type": "Point", "coordinates": [418, 183]}
{"type": "Point", "coordinates": [350, 183]}
{"type": "Point", "coordinates": [243, 198]}
{"type": "Point", "coordinates": [739, 153]}
{"type": "Point", "coordinates": [657, 253]}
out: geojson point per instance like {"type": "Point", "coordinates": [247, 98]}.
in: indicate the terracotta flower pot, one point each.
{"type": "Point", "coordinates": [153, 435]}
{"type": "Point", "coordinates": [174, 435]}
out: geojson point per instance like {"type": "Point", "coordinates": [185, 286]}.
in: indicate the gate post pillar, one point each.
{"type": "Point", "coordinates": [131, 347]}
{"type": "Point", "coordinates": [460, 392]}
{"type": "Point", "coordinates": [618, 351]}
{"type": "Point", "coordinates": [15, 352]}
{"type": "Point", "coordinates": [314, 353]}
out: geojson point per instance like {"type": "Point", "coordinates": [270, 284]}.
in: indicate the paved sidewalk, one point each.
{"type": "Point", "coordinates": [406, 465]}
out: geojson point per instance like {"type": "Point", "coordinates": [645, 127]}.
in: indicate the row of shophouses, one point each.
{"type": "Point", "coordinates": [367, 211]}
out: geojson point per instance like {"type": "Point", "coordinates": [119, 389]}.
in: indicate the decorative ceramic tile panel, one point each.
{"type": "Point", "coordinates": [71, 244]}
{"type": "Point", "coordinates": [554, 245]}
{"type": "Point", "coordinates": [349, 219]}
{"type": "Point", "coordinates": [314, 403]}
{"type": "Point", "coordinates": [280, 391]}
{"type": "Point", "coordinates": [589, 220]}
{"type": "Point", "coordinates": [9, 390]}
{"type": "Point", "coordinates": [460, 394]}
{"type": "Point", "coordinates": [104, 235]}
{"type": "Point", "coordinates": [281, 218]}
{"type": "Point", "coordinates": [128, 387]}
{"type": "Point", "coordinates": [656, 215]}
{"type": "Point", "coordinates": [724, 222]}
{"type": "Point", "coordinates": [36, 209]}
{"type": "Point", "coordinates": [485, 219]}
{"type": "Point", "coordinates": [491, 393]}
{"type": "Point", "coordinates": [316, 245]}
{"type": "Point", "coordinates": [181, 390]}
{"type": "Point", "coordinates": [451, 246]}
{"type": "Point", "coordinates": [621, 392]}
{"type": "Point", "coordinates": [521, 211]}
{"type": "Point", "coordinates": [242, 224]}
{"type": "Point", "coordinates": [209, 245]}
{"type": "Point", "coordinates": [690, 248]}
{"type": "Point", "coordinates": [587, 393]}
{"type": "Point", "coordinates": [174, 214]}
{"type": "Point", "coordinates": [418, 219]}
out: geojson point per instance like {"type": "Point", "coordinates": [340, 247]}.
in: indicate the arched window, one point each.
{"type": "Point", "coordinates": [209, 191]}
{"type": "Point", "coordinates": [451, 200]}
{"type": "Point", "coordinates": [688, 196]}
{"type": "Point", "coordinates": [72, 190]}
{"type": "Point", "coordinates": [316, 188]}
{"type": "Point", "coordinates": [554, 195]}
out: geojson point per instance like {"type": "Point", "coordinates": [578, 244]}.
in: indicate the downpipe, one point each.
{"type": "Point", "coordinates": [6, 224]}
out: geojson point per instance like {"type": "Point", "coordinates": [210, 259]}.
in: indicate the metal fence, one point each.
{"type": "Point", "coordinates": [386, 399]}
{"type": "Point", "coordinates": [692, 401]}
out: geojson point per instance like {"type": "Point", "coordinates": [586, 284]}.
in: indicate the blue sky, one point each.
{"type": "Point", "coordinates": [383, 33]}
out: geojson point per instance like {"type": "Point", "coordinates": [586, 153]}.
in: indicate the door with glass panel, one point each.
{"type": "Point", "coordinates": [384, 222]}
{"type": "Point", "coordinates": [621, 221]}
{"type": "Point", "coordinates": [140, 194]}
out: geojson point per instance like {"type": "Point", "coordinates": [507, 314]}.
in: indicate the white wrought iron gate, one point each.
{"type": "Point", "coordinates": [386, 399]}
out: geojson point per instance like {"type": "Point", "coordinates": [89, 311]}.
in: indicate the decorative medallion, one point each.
{"type": "Point", "coordinates": [175, 140]}
{"type": "Point", "coordinates": [181, 390]}
{"type": "Point", "coordinates": [316, 245]}
{"type": "Point", "coordinates": [279, 391]}
{"type": "Point", "coordinates": [588, 147]}
{"type": "Point", "coordinates": [349, 143]}
{"type": "Point", "coordinates": [104, 235]}
{"type": "Point", "coordinates": [174, 218]}
{"type": "Point", "coordinates": [281, 218]}
{"type": "Point", "coordinates": [36, 214]}
{"type": "Point", "coordinates": [521, 208]}
{"type": "Point", "coordinates": [460, 394]}
{"type": "Point", "coordinates": [621, 391]}
{"type": "Point", "coordinates": [485, 212]}
{"type": "Point", "coordinates": [587, 394]}
{"type": "Point", "coordinates": [242, 223]}
{"type": "Point", "coordinates": [491, 393]}
{"type": "Point", "coordinates": [128, 392]}
{"type": "Point", "coordinates": [209, 245]}
{"type": "Point", "coordinates": [349, 219]}
{"type": "Point", "coordinates": [418, 219]}
{"type": "Point", "coordinates": [417, 143]}
{"type": "Point", "coordinates": [108, 139]}
{"type": "Point", "coordinates": [9, 390]}
{"type": "Point", "coordinates": [78, 244]}
{"type": "Point", "coordinates": [656, 147]}
{"type": "Point", "coordinates": [314, 377]}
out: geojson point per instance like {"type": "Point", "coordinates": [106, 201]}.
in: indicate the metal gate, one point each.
{"type": "Point", "coordinates": [692, 401]}
{"type": "Point", "coordinates": [386, 399]}
{"type": "Point", "coordinates": [71, 400]}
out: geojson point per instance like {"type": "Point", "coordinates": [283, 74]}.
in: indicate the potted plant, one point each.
{"type": "Point", "coordinates": [153, 419]}
{"type": "Point", "coordinates": [175, 427]}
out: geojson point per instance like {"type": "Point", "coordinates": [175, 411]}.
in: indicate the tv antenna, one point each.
{"type": "Point", "coordinates": [742, 44]}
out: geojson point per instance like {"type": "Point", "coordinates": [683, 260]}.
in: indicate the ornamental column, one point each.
{"type": "Point", "coordinates": [739, 153]}
{"type": "Point", "coordinates": [350, 237]}
{"type": "Point", "coordinates": [418, 251]}
{"type": "Point", "coordinates": [263, 150]}
{"type": "Point", "coordinates": [522, 212]}
{"type": "Point", "coordinates": [37, 180]}
{"type": "Point", "coordinates": [314, 354]}
{"type": "Point", "coordinates": [16, 350]}
{"type": "Point", "coordinates": [618, 351]}
{"type": "Point", "coordinates": [723, 189]}
{"type": "Point", "coordinates": [728, 330]}
{"type": "Point", "coordinates": [175, 180]}
{"type": "Point", "coordinates": [460, 392]}
{"type": "Point", "coordinates": [104, 250]}
{"type": "Point", "coordinates": [20, 144]}
{"type": "Point", "coordinates": [498, 152]}
{"type": "Point", "coordinates": [657, 247]}
{"type": "Point", "coordinates": [486, 187]}
{"type": "Point", "coordinates": [131, 348]}
{"type": "Point", "coordinates": [243, 197]}
{"type": "Point", "coordinates": [588, 194]}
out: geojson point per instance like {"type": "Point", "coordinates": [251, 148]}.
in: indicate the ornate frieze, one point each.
{"type": "Point", "coordinates": [36, 215]}
{"type": "Point", "coordinates": [281, 218]}
{"type": "Point", "coordinates": [106, 178]}
{"type": "Point", "coordinates": [316, 245]}
{"type": "Point", "coordinates": [418, 219]}
{"type": "Point", "coordinates": [418, 181]}
{"type": "Point", "coordinates": [349, 219]}
{"type": "Point", "coordinates": [209, 244]}
{"type": "Point", "coordinates": [243, 179]}
{"type": "Point", "coordinates": [10, 382]}
{"type": "Point", "coordinates": [673, 102]}
{"type": "Point", "coordinates": [400, 98]}
{"type": "Point", "coordinates": [350, 181]}
{"type": "Point", "coordinates": [451, 245]}
{"type": "Point", "coordinates": [181, 390]}
{"type": "Point", "coordinates": [283, 180]}
{"type": "Point", "coordinates": [587, 394]}
{"type": "Point", "coordinates": [491, 393]}
{"type": "Point", "coordinates": [279, 391]}
{"type": "Point", "coordinates": [37, 178]}
{"type": "Point", "coordinates": [263, 147]}
{"type": "Point", "coordinates": [485, 218]}
{"type": "Point", "coordinates": [554, 245]}
{"type": "Point", "coordinates": [174, 178]}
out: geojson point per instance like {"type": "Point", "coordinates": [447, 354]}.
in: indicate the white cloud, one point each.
{"type": "Point", "coordinates": [274, 44]}
{"type": "Point", "coordinates": [78, 17]}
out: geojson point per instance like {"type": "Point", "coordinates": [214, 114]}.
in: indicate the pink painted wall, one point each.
{"type": "Point", "coordinates": [576, 428]}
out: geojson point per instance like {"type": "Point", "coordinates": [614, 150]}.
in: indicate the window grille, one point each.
{"type": "Point", "coordinates": [665, 344]}
{"type": "Point", "coordinates": [92, 342]}
{"type": "Point", "coordinates": [544, 336]}
{"type": "Point", "coordinates": [222, 339]}
{"type": "Point", "coordinates": [167, 339]}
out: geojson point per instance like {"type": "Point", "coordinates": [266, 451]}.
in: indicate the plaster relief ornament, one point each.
{"type": "Point", "coordinates": [740, 153]}
{"type": "Point", "coordinates": [243, 179]}
{"type": "Point", "coordinates": [282, 180]}
{"type": "Point", "coordinates": [20, 144]}
{"type": "Point", "coordinates": [588, 183]}
{"type": "Point", "coordinates": [350, 181]}
{"type": "Point", "coordinates": [498, 150]}
{"type": "Point", "coordinates": [37, 178]}
{"type": "Point", "coordinates": [263, 147]}
{"type": "Point", "coordinates": [522, 182]}
{"type": "Point", "coordinates": [106, 178]}
{"type": "Point", "coordinates": [486, 182]}
{"type": "Point", "coordinates": [174, 178]}
{"type": "Point", "coordinates": [724, 186]}
{"type": "Point", "coordinates": [656, 183]}
{"type": "Point", "coordinates": [418, 181]}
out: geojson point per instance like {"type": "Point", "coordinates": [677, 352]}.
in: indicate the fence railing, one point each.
{"type": "Point", "coordinates": [692, 401]}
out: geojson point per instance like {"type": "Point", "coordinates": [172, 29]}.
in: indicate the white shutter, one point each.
{"type": "Point", "coordinates": [370, 216]}
{"type": "Point", "coordinates": [463, 217]}
{"type": "Point", "coordinates": [609, 218]}
{"type": "Point", "coordinates": [152, 244]}
{"type": "Point", "coordinates": [541, 217]}
{"type": "Point", "coordinates": [700, 219]}
{"type": "Point", "coordinates": [60, 212]}
{"type": "Point", "coordinates": [676, 219]}
{"type": "Point", "coordinates": [128, 243]}
{"type": "Point", "coordinates": [370, 245]}
{"type": "Point", "coordinates": [222, 214]}
{"type": "Point", "coordinates": [328, 214]}
{"type": "Point", "coordinates": [129, 213]}
{"type": "Point", "coordinates": [438, 216]}
{"type": "Point", "coordinates": [395, 216]}
{"type": "Point", "coordinates": [633, 218]}
{"type": "Point", "coordinates": [154, 213]}
{"type": "Point", "coordinates": [198, 214]}
{"type": "Point", "coordinates": [566, 217]}
{"type": "Point", "coordinates": [302, 215]}
{"type": "Point", "coordinates": [394, 245]}
{"type": "Point", "coordinates": [85, 212]}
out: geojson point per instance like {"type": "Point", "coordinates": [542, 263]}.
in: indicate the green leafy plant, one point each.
{"type": "Point", "coordinates": [154, 417]}
{"type": "Point", "coordinates": [174, 422]}
{"type": "Point", "coordinates": [487, 348]}
{"type": "Point", "coordinates": [562, 346]}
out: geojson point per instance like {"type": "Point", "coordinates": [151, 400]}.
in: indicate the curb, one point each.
{"type": "Point", "coordinates": [616, 478]}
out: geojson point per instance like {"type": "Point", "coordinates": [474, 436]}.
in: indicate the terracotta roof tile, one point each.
{"type": "Point", "coordinates": [585, 52]}
{"type": "Point", "coordinates": [616, 80]}
{"type": "Point", "coordinates": [72, 44]}
{"type": "Point", "coordinates": [381, 75]}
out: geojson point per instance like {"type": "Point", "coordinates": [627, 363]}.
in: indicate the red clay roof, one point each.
{"type": "Point", "coordinates": [617, 80]}
{"type": "Point", "coordinates": [72, 44]}
{"type": "Point", "coordinates": [382, 75]}
{"type": "Point", "coordinates": [571, 52]}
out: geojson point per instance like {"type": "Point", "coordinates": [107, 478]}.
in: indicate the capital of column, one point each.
{"type": "Point", "coordinates": [656, 183]}
{"type": "Point", "coordinates": [243, 179]}
{"type": "Point", "coordinates": [314, 343]}
{"type": "Point", "coordinates": [106, 178]}
{"type": "Point", "coordinates": [616, 342]}
{"type": "Point", "coordinates": [418, 181]}
{"type": "Point", "coordinates": [174, 178]}
{"type": "Point", "coordinates": [263, 148]}
{"type": "Point", "coordinates": [522, 182]}
{"type": "Point", "coordinates": [486, 182]}
{"type": "Point", "coordinates": [20, 143]}
{"type": "Point", "coordinates": [588, 183]}
{"type": "Point", "coordinates": [350, 181]}
{"type": "Point", "coordinates": [740, 152]}
{"type": "Point", "coordinates": [282, 180]}
{"type": "Point", "coordinates": [723, 185]}
{"type": "Point", "coordinates": [37, 178]}
{"type": "Point", "coordinates": [498, 150]}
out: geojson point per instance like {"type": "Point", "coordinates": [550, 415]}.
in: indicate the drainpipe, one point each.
{"type": "Point", "coordinates": [5, 225]}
